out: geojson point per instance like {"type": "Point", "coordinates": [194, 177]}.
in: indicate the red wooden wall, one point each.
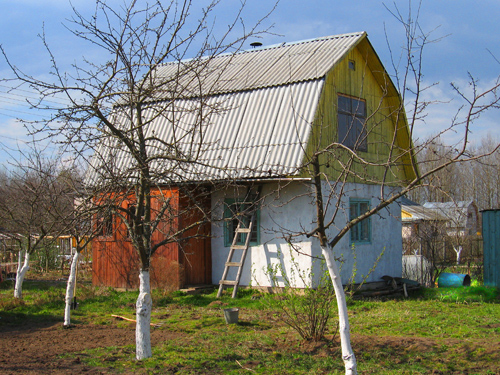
{"type": "Point", "coordinates": [184, 262]}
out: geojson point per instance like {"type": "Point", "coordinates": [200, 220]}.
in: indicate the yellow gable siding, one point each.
{"type": "Point", "coordinates": [382, 113]}
{"type": "Point", "coordinates": [405, 214]}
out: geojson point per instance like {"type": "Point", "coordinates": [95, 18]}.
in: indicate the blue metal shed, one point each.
{"type": "Point", "coordinates": [491, 247]}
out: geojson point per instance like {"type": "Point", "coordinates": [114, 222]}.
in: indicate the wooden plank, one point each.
{"type": "Point", "coordinates": [238, 247]}
{"type": "Point", "coordinates": [228, 282]}
{"type": "Point", "coordinates": [243, 230]}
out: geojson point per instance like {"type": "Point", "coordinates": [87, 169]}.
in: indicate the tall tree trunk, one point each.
{"type": "Point", "coordinates": [21, 272]}
{"type": "Point", "coordinates": [70, 289]}
{"type": "Point", "coordinates": [345, 336]}
{"type": "Point", "coordinates": [143, 316]}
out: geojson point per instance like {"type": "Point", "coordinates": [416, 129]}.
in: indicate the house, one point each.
{"type": "Point", "coordinates": [463, 217]}
{"type": "Point", "coordinates": [419, 222]}
{"type": "Point", "coordinates": [437, 235]}
{"type": "Point", "coordinates": [277, 105]}
{"type": "Point", "coordinates": [439, 219]}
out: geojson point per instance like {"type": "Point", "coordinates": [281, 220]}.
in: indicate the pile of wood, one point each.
{"type": "Point", "coordinates": [389, 287]}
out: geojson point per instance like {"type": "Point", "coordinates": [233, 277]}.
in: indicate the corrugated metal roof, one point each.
{"type": "Point", "coordinates": [264, 67]}
{"type": "Point", "coordinates": [456, 212]}
{"type": "Point", "coordinates": [254, 124]}
{"type": "Point", "coordinates": [419, 213]}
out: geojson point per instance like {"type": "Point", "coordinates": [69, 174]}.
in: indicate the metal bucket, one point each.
{"type": "Point", "coordinates": [231, 315]}
{"type": "Point", "coordinates": [453, 280]}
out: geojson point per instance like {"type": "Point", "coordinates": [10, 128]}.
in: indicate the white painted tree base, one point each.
{"type": "Point", "coordinates": [70, 290]}
{"type": "Point", "coordinates": [344, 330]}
{"type": "Point", "coordinates": [144, 306]}
{"type": "Point", "coordinates": [21, 273]}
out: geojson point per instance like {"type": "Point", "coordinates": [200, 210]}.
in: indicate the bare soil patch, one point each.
{"type": "Point", "coordinates": [34, 348]}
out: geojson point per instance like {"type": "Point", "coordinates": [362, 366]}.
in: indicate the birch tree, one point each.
{"type": "Point", "coordinates": [109, 109]}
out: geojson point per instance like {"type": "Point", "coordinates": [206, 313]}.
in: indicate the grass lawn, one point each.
{"type": "Point", "coordinates": [437, 331]}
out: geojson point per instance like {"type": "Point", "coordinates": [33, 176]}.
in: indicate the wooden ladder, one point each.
{"type": "Point", "coordinates": [234, 246]}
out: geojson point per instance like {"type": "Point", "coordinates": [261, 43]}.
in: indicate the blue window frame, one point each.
{"type": "Point", "coordinates": [361, 232]}
{"type": "Point", "coordinates": [235, 210]}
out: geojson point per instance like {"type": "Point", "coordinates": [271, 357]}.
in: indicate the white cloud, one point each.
{"type": "Point", "coordinates": [448, 107]}
{"type": "Point", "coordinates": [12, 129]}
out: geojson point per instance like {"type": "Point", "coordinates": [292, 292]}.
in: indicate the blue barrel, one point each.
{"type": "Point", "coordinates": [453, 280]}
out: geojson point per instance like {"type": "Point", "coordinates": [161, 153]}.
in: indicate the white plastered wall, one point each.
{"type": "Point", "coordinates": [289, 209]}
{"type": "Point", "coordinates": [386, 246]}
{"type": "Point", "coordinates": [285, 210]}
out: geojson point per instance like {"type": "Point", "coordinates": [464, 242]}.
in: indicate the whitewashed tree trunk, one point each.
{"type": "Point", "coordinates": [22, 268]}
{"type": "Point", "coordinates": [458, 251]}
{"type": "Point", "coordinates": [70, 289]}
{"type": "Point", "coordinates": [344, 330]}
{"type": "Point", "coordinates": [143, 315]}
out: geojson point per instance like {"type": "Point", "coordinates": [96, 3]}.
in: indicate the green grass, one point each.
{"type": "Point", "coordinates": [451, 330]}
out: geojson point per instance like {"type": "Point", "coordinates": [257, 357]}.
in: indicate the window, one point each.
{"type": "Point", "coordinates": [235, 210]}
{"type": "Point", "coordinates": [361, 232]}
{"type": "Point", "coordinates": [351, 123]}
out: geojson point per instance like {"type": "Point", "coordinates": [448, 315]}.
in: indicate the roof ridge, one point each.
{"type": "Point", "coordinates": [273, 46]}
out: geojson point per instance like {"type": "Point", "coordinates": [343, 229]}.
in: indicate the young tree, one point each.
{"type": "Point", "coordinates": [30, 203]}
{"type": "Point", "coordinates": [335, 167]}
{"type": "Point", "coordinates": [110, 108]}
{"type": "Point", "coordinates": [134, 169]}
{"type": "Point", "coordinates": [76, 217]}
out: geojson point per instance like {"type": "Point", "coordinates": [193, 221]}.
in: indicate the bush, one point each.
{"type": "Point", "coordinates": [307, 310]}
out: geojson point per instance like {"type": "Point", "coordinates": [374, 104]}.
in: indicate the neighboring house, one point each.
{"type": "Point", "coordinates": [419, 222]}
{"type": "Point", "coordinates": [424, 236]}
{"type": "Point", "coordinates": [283, 101]}
{"type": "Point", "coordinates": [463, 216]}
{"type": "Point", "coordinates": [442, 232]}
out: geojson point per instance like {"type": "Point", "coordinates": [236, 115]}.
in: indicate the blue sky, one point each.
{"type": "Point", "coordinates": [471, 29]}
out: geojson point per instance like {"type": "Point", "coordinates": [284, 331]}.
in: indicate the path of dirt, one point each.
{"type": "Point", "coordinates": [36, 348]}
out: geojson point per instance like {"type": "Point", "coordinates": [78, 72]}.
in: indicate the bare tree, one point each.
{"type": "Point", "coordinates": [76, 221]}
{"type": "Point", "coordinates": [133, 170]}
{"type": "Point", "coordinates": [361, 155]}
{"type": "Point", "coordinates": [480, 180]}
{"type": "Point", "coordinates": [32, 199]}
{"type": "Point", "coordinates": [439, 186]}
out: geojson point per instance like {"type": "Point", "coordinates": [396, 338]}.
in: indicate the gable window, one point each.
{"type": "Point", "coordinates": [351, 123]}
{"type": "Point", "coordinates": [361, 232]}
{"type": "Point", "coordinates": [235, 211]}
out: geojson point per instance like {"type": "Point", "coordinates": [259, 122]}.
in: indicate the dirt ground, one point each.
{"type": "Point", "coordinates": [31, 347]}
{"type": "Point", "coordinates": [35, 349]}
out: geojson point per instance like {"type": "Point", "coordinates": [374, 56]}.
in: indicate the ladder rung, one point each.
{"type": "Point", "coordinates": [228, 282]}
{"type": "Point", "coordinates": [243, 230]}
{"type": "Point", "coordinates": [238, 247]}
{"type": "Point", "coordinates": [233, 264]}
